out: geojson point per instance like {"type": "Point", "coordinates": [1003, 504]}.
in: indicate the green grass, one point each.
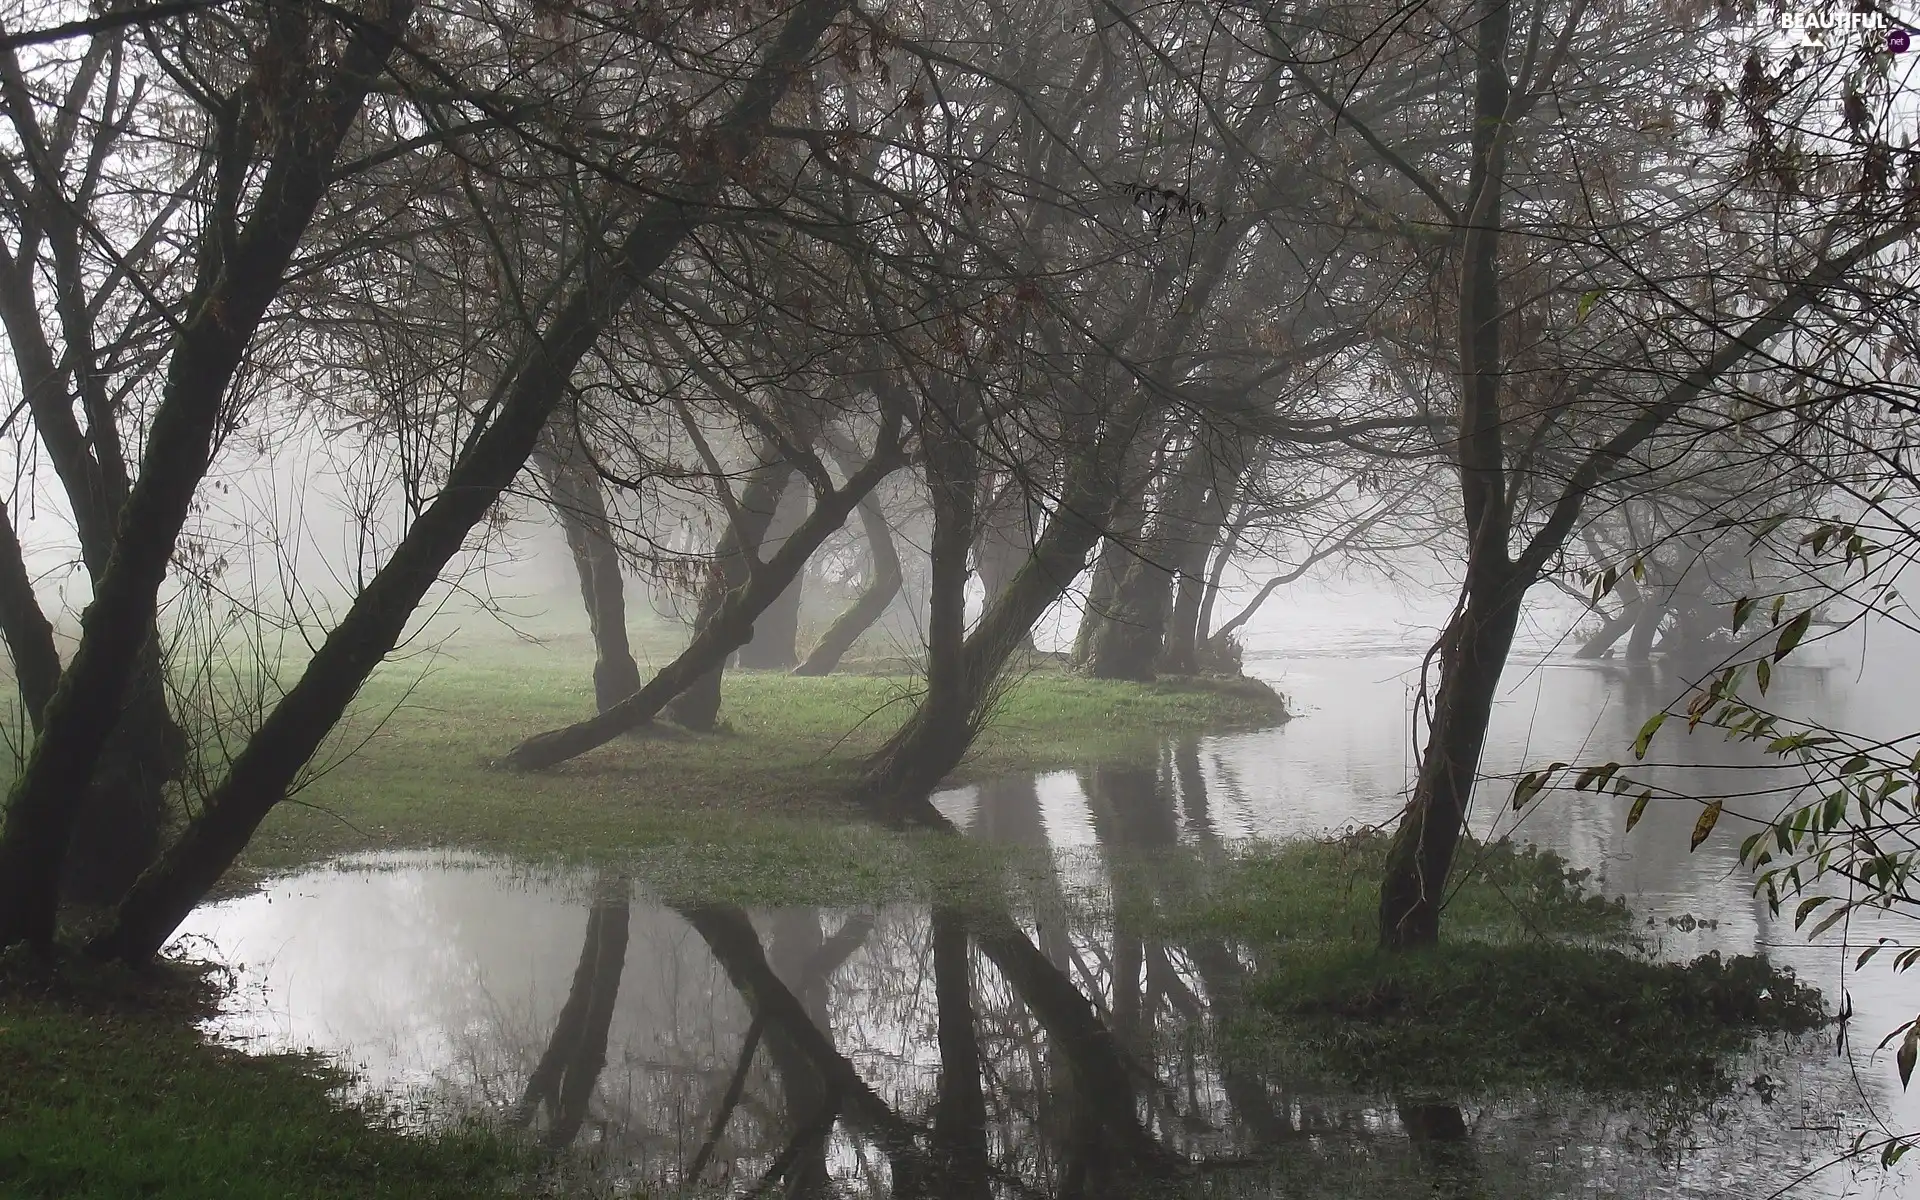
{"type": "Point", "coordinates": [1537, 983]}
{"type": "Point", "coordinates": [755, 812]}
{"type": "Point", "coordinates": [107, 1092]}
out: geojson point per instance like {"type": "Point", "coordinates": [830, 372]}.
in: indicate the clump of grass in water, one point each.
{"type": "Point", "coordinates": [1539, 983]}
{"type": "Point", "coordinates": [1469, 1017]}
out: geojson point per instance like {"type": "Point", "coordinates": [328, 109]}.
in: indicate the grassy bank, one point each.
{"type": "Point", "coordinates": [107, 1092]}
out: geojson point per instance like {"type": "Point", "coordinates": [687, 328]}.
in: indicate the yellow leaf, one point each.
{"type": "Point", "coordinates": [1704, 826]}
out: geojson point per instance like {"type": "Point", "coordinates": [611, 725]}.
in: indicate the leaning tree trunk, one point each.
{"type": "Point", "coordinates": [776, 632]}
{"type": "Point", "coordinates": [580, 503]}
{"type": "Point", "coordinates": [866, 608]}
{"type": "Point", "coordinates": [116, 630]}
{"type": "Point", "coordinates": [286, 740]}
{"type": "Point", "coordinates": [726, 631]}
{"type": "Point", "coordinates": [1473, 654]}
{"type": "Point", "coordinates": [697, 706]}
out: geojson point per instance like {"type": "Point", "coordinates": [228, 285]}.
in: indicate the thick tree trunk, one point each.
{"type": "Point", "coordinates": [729, 627]}
{"type": "Point", "coordinates": [116, 629]}
{"type": "Point", "coordinates": [579, 502]}
{"type": "Point", "coordinates": [1646, 625]}
{"type": "Point", "coordinates": [697, 706]}
{"type": "Point", "coordinates": [286, 740]}
{"type": "Point", "coordinates": [776, 632]}
{"type": "Point", "coordinates": [866, 608]}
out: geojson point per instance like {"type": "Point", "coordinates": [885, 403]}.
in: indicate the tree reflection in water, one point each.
{"type": "Point", "coordinates": [1056, 1045]}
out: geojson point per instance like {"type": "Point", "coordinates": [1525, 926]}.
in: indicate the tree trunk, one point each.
{"type": "Point", "coordinates": [866, 608]}
{"type": "Point", "coordinates": [1129, 642]}
{"type": "Point", "coordinates": [698, 705]}
{"type": "Point", "coordinates": [1473, 654]}
{"type": "Point", "coordinates": [579, 502]}
{"type": "Point", "coordinates": [116, 629]}
{"type": "Point", "coordinates": [1203, 626]}
{"type": "Point", "coordinates": [952, 468]}
{"type": "Point", "coordinates": [1473, 649]}
{"type": "Point", "coordinates": [1003, 542]}
{"type": "Point", "coordinates": [1115, 553]}
{"type": "Point", "coordinates": [287, 739]}
{"type": "Point", "coordinates": [36, 660]}
{"type": "Point", "coordinates": [776, 632]}
{"type": "Point", "coordinates": [728, 629]}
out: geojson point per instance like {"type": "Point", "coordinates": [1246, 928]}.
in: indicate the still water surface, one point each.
{"type": "Point", "coordinates": [569, 1002]}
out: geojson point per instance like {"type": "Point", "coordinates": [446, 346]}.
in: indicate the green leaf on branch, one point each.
{"type": "Point", "coordinates": [1909, 1048]}
{"type": "Point", "coordinates": [1742, 609]}
{"type": "Point", "coordinates": [1791, 635]}
{"type": "Point", "coordinates": [1639, 809]}
{"type": "Point", "coordinates": [1647, 731]}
